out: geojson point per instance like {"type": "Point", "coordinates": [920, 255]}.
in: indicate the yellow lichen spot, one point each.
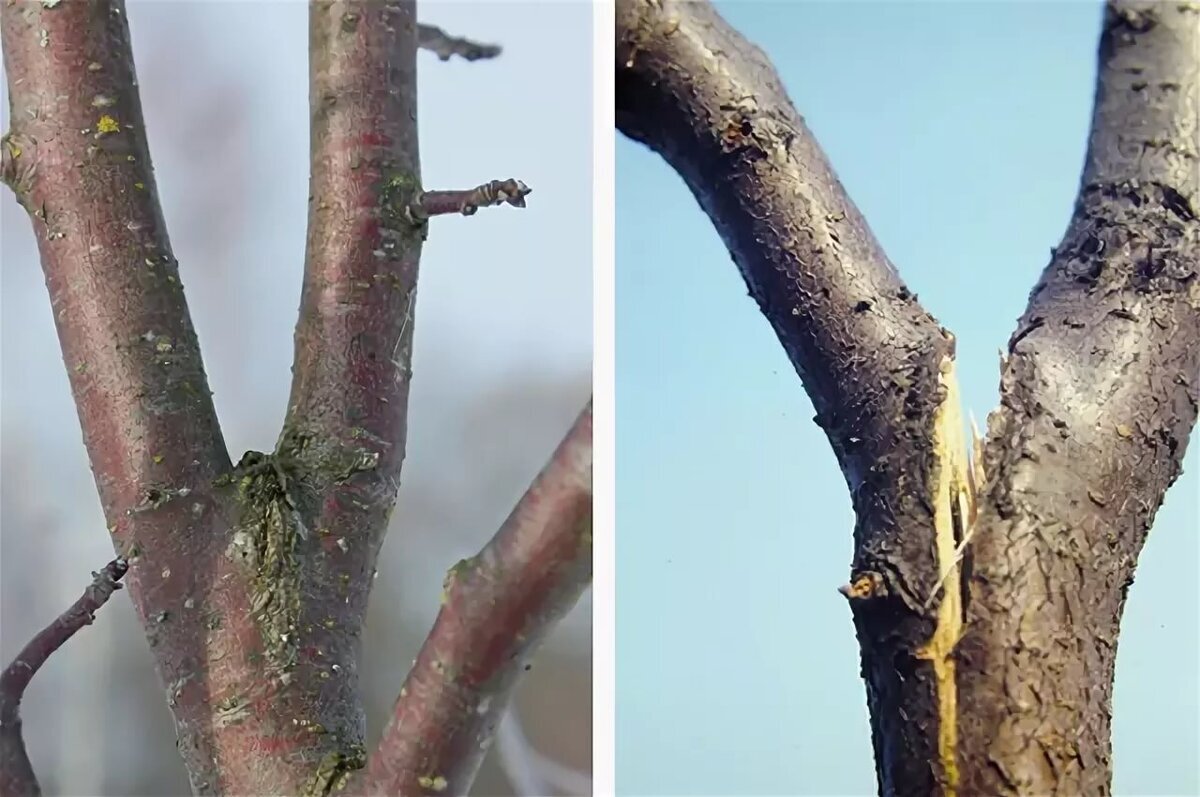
{"type": "Point", "coordinates": [158, 458]}
{"type": "Point", "coordinates": [433, 783]}
{"type": "Point", "coordinates": [140, 186]}
{"type": "Point", "coordinates": [106, 124]}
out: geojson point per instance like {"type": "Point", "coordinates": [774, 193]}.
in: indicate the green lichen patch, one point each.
{"type": "Point", "coordinates": [265, 539]}
{"type": "Point", "coordinates": [325, 462]}
{"type": "Point", "coordinates": [333, 770]}
{"type": "Point", "coordinates": [397, 196]}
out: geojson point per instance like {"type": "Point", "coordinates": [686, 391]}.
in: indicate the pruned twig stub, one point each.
{"type": "Point", "coordinates": [16, 773]}
{"type": "Point", "coordinates": [445, 46]}
{"type": "Point", "coordinates": [494, 193]}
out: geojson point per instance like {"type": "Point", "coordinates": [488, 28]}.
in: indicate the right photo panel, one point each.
{"type": "Point", "coordinates": [908, 358]}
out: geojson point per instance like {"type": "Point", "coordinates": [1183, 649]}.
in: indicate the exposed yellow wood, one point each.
{"type": "Point", "coordinates": [955, 480]}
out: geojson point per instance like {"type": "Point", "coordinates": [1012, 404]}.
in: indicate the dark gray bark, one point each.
{"type": "Point", "coordinates": [1098, 395]}
{"type": "Point", "coordinates": [1098, 398]}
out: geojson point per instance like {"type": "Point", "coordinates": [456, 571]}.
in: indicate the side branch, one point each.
{"type": "Point", "coordinates": [694, 90]}
{"type": "Point", "coordinates": [1099, 396]}
{"type": "Point", "coordinates": [496, 608]}
{"type": "Point", "coordinates": [444, 46]}
{"type": "Point", "coordinates": [17, 778]}
{"type": "Point", "coordinates": [878, 368]}
{"type": "Point", "coordinates": [494, 193]}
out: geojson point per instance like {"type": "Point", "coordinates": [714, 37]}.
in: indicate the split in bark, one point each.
{"type": "Point", "coordinates": [986, 612]}
{"type": "Point", "coordinates": [251, 581]}
{"type": "Point", "coordinates": [17, 778]}
{"type": "Point", "coordinates": [491, 194]}
{"type": "Point", "coordinates": [445, 46]}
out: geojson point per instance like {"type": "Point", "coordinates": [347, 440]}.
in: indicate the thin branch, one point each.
{"type": "Point", "coordinates": [16, 772]}
{"type": "Point", "coordinates": [491, 194]}
{"type": "Point", "coordinates": [444, 46]}
{"type": "Point", "coordinates": [1099, 396]}
{"type": "Point", "coordinates": [496, 608]}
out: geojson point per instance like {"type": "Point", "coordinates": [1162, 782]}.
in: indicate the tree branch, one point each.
{"type": "Point", "coordinates": [1005, 686]}
{"type": "Point", "coordinates": [494, 193]}
{"type": "Point", "coordinates": [497, 607]}
{"type": "Point", "coordinates": [16, 772]}
{"type": "Point", "coordinates": [1098, 399]}
{"type": "Point", "coordinates": [444, 46]}
{"type": "Point", "coordinates": [78, 160]}
{"type": "Point", "coordinates": [877, 366]}
{"type": "Point", "coordinates": [251, 582]}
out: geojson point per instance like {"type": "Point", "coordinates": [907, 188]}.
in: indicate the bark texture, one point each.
{"type": "Point", "coordinates": [252, 580]}
{"type": "Point", "coordinates": [986, 594]}
{"type": "Point", "coordinates": [1098, 397]}
{"type": "Point", "coordinates": [458, 689]}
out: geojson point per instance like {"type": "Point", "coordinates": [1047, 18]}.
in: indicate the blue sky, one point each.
{"type": "Point", "coordinates": [959, 130]}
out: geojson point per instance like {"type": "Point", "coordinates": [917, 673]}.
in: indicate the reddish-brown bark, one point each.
{"type": "Point", "coordinates": [16, 772]}
{"type": "Point", "coordinates": [457, 691]}
{"type": "Point", "coordinates": [251, 581]}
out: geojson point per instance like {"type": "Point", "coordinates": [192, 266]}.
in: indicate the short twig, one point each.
{"type": "Point", "coordinates": [497, 192]}
{"type": "Point", "coordinates": [16, 772]}
{"type": "Point", "coordinates": [443, 45]}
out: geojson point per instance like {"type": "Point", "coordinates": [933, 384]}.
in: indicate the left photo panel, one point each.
{"type": "Point", "coordinates": [297, 499]}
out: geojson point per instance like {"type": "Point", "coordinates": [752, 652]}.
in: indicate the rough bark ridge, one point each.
{"type": "Point", "coordinates": [986, 654]}
{"type": "Point", "coordinates": [252, 580]}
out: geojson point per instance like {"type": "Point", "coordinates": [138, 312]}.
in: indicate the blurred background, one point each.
{"type": "Point", "coordinates": [502, 363]}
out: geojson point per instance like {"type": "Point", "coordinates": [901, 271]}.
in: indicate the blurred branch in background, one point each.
{"type": "Point", "coordinates": [531, 773]}
{"type": "Point", "coordinates": [443, 45]}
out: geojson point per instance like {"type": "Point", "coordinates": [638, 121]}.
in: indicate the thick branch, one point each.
{"type": "Point", "coordinates": [491, 194]}
{"type": "Point", "coordinates": [875, 364]}
{"type": "Point", "coordinates": [496, 609]}
{"type": "Point", "coordinates": [327, 492]}
{"type": "Point", "coordinates": [16, 773]}
{"type": "Point", "coordinates": [78, 160]}
{"type": "Point", "coordinates": [444, 46]}
{"type": "Point", "coordinates": [1098, 398]}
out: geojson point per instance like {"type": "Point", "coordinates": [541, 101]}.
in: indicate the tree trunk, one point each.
{"type": "Point", "coordinates": [988, 575]}
{"type": "Point", "coordinates": [252, 580]}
